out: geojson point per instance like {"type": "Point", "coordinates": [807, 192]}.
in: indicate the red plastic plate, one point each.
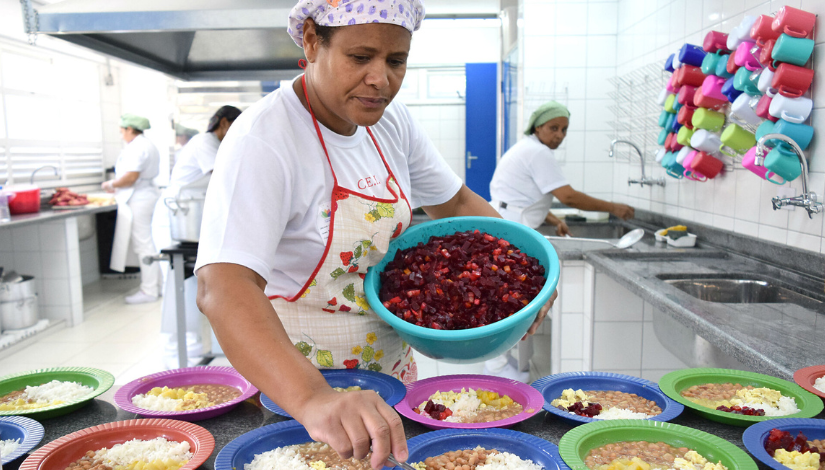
{"type": "Point", "coordinates": [806, 377]}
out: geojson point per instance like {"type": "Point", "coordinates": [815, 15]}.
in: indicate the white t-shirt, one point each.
{"type": "Point", "coordinates": [272, 181]}
{"type": "Point", "coordinates": [526, 173]}
{"type": "Point", "coordinates": [142, 156]}
{"type": "Point", "coordinates": [195, 159]}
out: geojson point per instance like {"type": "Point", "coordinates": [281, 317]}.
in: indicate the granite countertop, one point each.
{"type": "Point", "coordinates": [49, 215]}
{"type": "Point", "coordinates": [250, 415]}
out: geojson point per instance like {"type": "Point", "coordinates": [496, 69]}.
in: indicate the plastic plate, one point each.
{"type": "Point", "coordinates": [389, 388]}
{"type": "Point", "coordinates": [71, 447]}
{"type": "Point", "coordinates": [755, 436]}
{"type": "Point", "coordinates": [541, 452]}
{"type": "Point", "coordinates": [420, 391]}
{"type": "Point", "coordinates": [29, 431]}
{"type": "Point", "coordinates": [575, 445]}
{"type": "Point", "coordinates": [183, 378]}
{"type": "Point", "coordinates": [674, 382]}
{"type": "Point", "coordinates": [98, 379]}
{"type": "Point", "coordinates": [807, 376]}
{"type": "Point", "coordinates": [551, 387]}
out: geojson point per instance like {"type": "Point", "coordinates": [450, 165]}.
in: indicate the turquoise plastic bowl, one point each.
{"type": "Point", "coordinates": [474, 344]}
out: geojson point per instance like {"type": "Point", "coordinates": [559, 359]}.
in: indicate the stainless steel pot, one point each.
{"type": "Point", "coordinates": [17, 314]}
{"type": "Point", "coordinates": [11, 291]}
{"type": "Point", "coordinates": [185, 215]}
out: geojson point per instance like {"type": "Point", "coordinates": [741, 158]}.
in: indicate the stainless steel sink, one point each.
{"type": "Point", "coordinates": [604, 230]}
{"type": "Point", "coordinates": [739, 291]}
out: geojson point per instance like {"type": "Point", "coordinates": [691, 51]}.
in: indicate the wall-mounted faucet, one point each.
{"type": "Point", "coordinates": [644, 180]}
{"type": "Point", "coordinates": [56, 172]}
{"type": "Point", "coordinates": [806, 200]}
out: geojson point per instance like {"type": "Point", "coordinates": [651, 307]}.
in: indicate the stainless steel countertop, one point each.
{"type": "Point", "coordinates": [49, 215]}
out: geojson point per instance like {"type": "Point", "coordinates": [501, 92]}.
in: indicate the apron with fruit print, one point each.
{"type": "Point", "coordinates": [329, 319]}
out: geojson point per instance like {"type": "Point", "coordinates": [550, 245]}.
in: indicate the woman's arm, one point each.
{"type": "Point", "coordinates": [561, 227]}
{"type": "Point", "coordinates": [252, 336]}
{"type": "Point", "coordinates": [579, 200]}
{"type": "Point", "coordinates": [125, 181]}
{"type": "Point", "coordinates": [465, 202]}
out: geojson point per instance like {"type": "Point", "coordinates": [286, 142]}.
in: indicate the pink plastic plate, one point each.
{"type": "Point", "coordinates": [183, 378]}
{"type": "Point", "coordinates": [418, 392]}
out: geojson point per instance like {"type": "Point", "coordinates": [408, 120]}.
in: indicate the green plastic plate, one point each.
{"type": "Point", "coordinates": [575, 445]}
{"type": "Point", "coordinates": [98, 379]}
{"type": "Point", "coordinates": [673, 383]}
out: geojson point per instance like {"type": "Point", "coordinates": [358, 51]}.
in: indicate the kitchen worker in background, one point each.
{"type": "Point", "coordinates": [526, 180]}
{"type": "Point", "coordinates": [310, 185]}
{"type": "Point", "coordinates": [183, 135]}
{"type": "Point", "coordinates": [135, 192]}
{"type": "Point", "coordinates": [193, 166]}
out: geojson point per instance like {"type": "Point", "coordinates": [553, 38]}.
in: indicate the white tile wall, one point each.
{"type": "Point", "coordinates": [614, 303]}
{"type": "Point", "coordinates": [649, 31]}
{"type": "Point", "coordinates": [445, 126]}
{"type": "Point", "coordinates": [617, 344]}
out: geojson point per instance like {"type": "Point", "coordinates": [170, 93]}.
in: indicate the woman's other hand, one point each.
{"type": "Point", "coordinates": [623, 211]}
{"type": "Point", "coordinates": [542, 313]}
{"type": "Point", "coordinates": [352, 422]}
{"type": "Point", "coordinates": [562, 230]}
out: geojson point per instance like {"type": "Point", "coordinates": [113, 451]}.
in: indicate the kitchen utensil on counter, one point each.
{"type": "Point", "coordinates": [11, 277]}
{"type": "Point", "coordinates": [802, 134]}
{"type": "Point", "coordinates": [792, 80]}
{"type": "Point", "coordinates": [629, 239]}
{"type": "Point", "coordinates": [792, 50]}
{"type": "Point", "coordinates": [186, 210]}
{"type": "Point", "coordinates": [692, 55]}
{"type": "Point", "coordinates": [791, 109]}
{"type": "Point", "coordinates": [19, 314]}
{"type": "Point", "coordinates": [687, 241]}
{"type": "Point", "coordinates": [715, 41]}
{"type": "Point", "coordinates": [783, 162]}
{"type": "Point", "coordinates": [762, 31]}
{"type": "Point", "coordinates": [748, 161]}
{"type": "Point", "coordinates": [794, 22]}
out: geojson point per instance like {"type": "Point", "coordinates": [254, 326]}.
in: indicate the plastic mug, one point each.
{"type": "Point", "coordinates": [742, 82]}
{"type": "Point", "coordinates": [685, 115]}
{"type": "Point", "coordinates": [799, 133]}
{"type": "Point", "coordinates": [667, 159]}
{"type": "Point", "coordinates": [722, 67]}
{"type": "Point", "coordinates": [737, 139]}
{"type": "Point", "coordinates": [731, 66]}
{"type": "Point", "coordinates": [766, 52]}
{"type": "Point", "coordinates": [663, 96]}
{"type": "Point", "coordinates": [765, 79]}
{"type": "Point", "coordinates": [702, 101]}
{"type": "Point", "coordinates": [670, 119]}
{"type": "Point", "coordinates": [676, 125]}
{"type": "Point", "coordinates": [677, 105]}
{"type": "Point", "coordinates": [689, 173]}
{"type": "Point", "coordinates": [764, 129]}
{"type": "Point", "coordinates": [660, 154]}
{"type": "Point", "coordinates": [741, 110]}
{"type": "Point", "coordinates": [791, 109]}
{"type": "Point", "coordinates": [676, 62]}
{"type": "Point", "coordinates": [669, 103]}
{"type": "Point", "coordinates": [729, 91]}
{"type": "Point", "coordinates": [715, 41]}
{"type": "Point", "coordinates": [749, 162]}
{"type": "Point", "coordinates": [792, 80]}
{"type": "Point", "coordinates": [784, 163]}
{"type": "Point", "coordinates": [675, 170]}
{"type": "Point", "coordinates": [671, 144]}
{"type": "Point", "coordinates": [684, 135]}
{"type": "Point", "coordinates": [663, 118]}
{"type": "Point", "coordinates": [689, 75]}
{"type": "Point", "coordinates": [762, 31]}
{"type": "Point", "coordinates": [704, 118]}
{"type": "Point", "coordinates": [685, 95]}
{"type": "Point", "coordinates": [682, 155]}
{"type": "Point", "coordinates": [670, 87]}
{"type": "Point", "coordinates": [712, 87]}
{"type": "Point", "coordinates": [763, 108]}
{"type": "Point", "coordinates": [707, 165]}
{"type": "Point", "coordinates": [705, 141]}
{"type": "Point", "coordinates": [734, 38]}
{"type": "Point", "coordinates": [662, 136]}
{"type": "Point", "coordinates": [746, 25]}
{"type": "Point", "coordinates": [709, 63]}
{"type": "Point", "coordinates": [744, 58]}
{"type": "Point", "coordinates": [794, 22]}
{"type": "Point", "coordinates": [792, 50]}
{"type": "Point", "coordinates": [692, 55]}
{"type": "Point", "coordinates": [669, 63]}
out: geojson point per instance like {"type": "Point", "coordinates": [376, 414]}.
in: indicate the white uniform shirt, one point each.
{"type": "Point", "coordinates": [195, 159]}
{"type": "Point", "coordinates": [524, 177]}
{"type": "Point", "coordinates": [142, 156]}
{"type": "Point", "coordinates": [266, 203]}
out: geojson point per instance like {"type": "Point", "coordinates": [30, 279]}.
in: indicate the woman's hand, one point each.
{"type": "Point", "coordinates": [623, 211]}
{"type": "Point", "coordinates": [542, 313]}
{"type": "Point", "coordinates": [352, 422]}
{"type": "Point", "coordinates": [561, 229]}
{"type": "Point", "coordinates": [107, 186]}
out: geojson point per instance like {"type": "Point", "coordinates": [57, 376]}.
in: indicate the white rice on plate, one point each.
{"type": "Point", "coordinates": [8, 446]}
{"type": "Point", "coordinates": [819, 384]}
{"type": "Point", "coordinates": [785, 406]}
{"type": "Point", "coordinates": [56, 391]}
{"type": "Point", "coordinates": [282, 458]}
{"type": "Point", "coordinates": [144, 451]}
{"type": "Point", "coordinates": [156, 403]}
{"type": "Point", "coordinates": [508, 461]}
{"type": "Point", "coordinates": [620, 413]}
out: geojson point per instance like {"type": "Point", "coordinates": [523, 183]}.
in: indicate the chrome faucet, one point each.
{"type": "Point", "coordinates": [806, 200]}
{"type": "Point", "coordinates": [644, 180]}
{"type": "Point", "coordinates": [56, 173]}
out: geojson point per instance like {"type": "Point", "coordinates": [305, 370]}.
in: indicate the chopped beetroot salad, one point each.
{"type": "Point", "coordinates": [459, 281]}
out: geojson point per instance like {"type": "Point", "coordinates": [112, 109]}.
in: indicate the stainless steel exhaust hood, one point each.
{"type": "Point", "coordinates": [198, 39]}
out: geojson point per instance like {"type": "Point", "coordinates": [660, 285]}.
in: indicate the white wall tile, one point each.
{"type": "Point", "coordinates": [598, 115]}
{"type": "Point", "coordinates": [571, 365]}
{"type": "Point", "coordinates": [571, 19]}
{"type": "Point", "coordinates": [574, 144]}
{"type": "Point", "coordinates": [598, 177]}
{"type": "Point", "coordinates": [748, 199]}
{"type": "Point", "coordinates": [572, 335]}
{"type": "Point", "coordinates": [613, 302]}
{"type": "Point", "coordinates": [571, 51]}
{"type": "Point", "coordinates": [572, 289]}
{"type": "Point", "coordinates": [55, 265]}
{"type": "Point", "coordinates": [617, 345]}
{"type": "Point", "coordinates": [654, 354]}
{"type": "Point", "coordinates": [26, 238]}
{"type": "Point", "coordinates": [778, 235]}
{"type": "Point", "coordinates": [804, 241]}
{"type": "Point", "coordinates": [573, 78]}
{"type": "Point", "coordinates": [28, 263]}
{"type": "Point", "coordinates": [56, 293]}
{"type": "Point", "coordinates": [602, 18]}
{"type": "Point", "coordinates": [601, 51]}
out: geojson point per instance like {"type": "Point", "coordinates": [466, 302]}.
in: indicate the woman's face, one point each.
{"type": "Point", "coordinates": [127, 134]}
{"type": "Point", "coordinates": [353, 77]}
{"type": "Point", "coordinates": [552, 132]}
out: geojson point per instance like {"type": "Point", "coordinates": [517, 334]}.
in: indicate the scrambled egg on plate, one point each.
{"type": "Point", "coordinates": [797, 460]}
{"type": "Point", "coordinates": [568, 397]}
{"type": "Point", "coordinates": [694, 461]}
{"type": "Point", "coordinates": [190, 400]}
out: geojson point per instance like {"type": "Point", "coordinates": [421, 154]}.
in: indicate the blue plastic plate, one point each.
{"type": "Point", "coordinates": [755, 436]}
{"type": "Point", "coordinates": [29, 431]}
{"type": "Point", "coordinates": [538, 450]}
{"type": "Point", "coordinates": [552, 386]}
{"type": "Point", "coordinates": [389, 388]}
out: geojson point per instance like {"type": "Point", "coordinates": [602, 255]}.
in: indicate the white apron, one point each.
{"type": "Point", "coordinates": [532, 216]}
{"type": "Point", "coordinates": [123, 231]}
{"type": "Point", "coordinates": [329, 319]}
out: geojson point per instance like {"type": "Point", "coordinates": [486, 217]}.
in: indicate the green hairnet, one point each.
{"type": "Point", "coordinates": [135, 122]}
{"type": "Point", "coordinates": [546, 112]}
{"type": "Point", "coordinates": [185, 131]}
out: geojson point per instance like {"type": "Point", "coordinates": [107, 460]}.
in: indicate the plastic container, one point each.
{"type": "Point", "coordinates": [474, 344]}
{"type": "Point", "coordinates": [687, 241]}
{"type": "Point", "coordinates": [25, 200]}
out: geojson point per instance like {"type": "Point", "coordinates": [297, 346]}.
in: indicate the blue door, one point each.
{"type": "Point", "coordinates": [480, 135]}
